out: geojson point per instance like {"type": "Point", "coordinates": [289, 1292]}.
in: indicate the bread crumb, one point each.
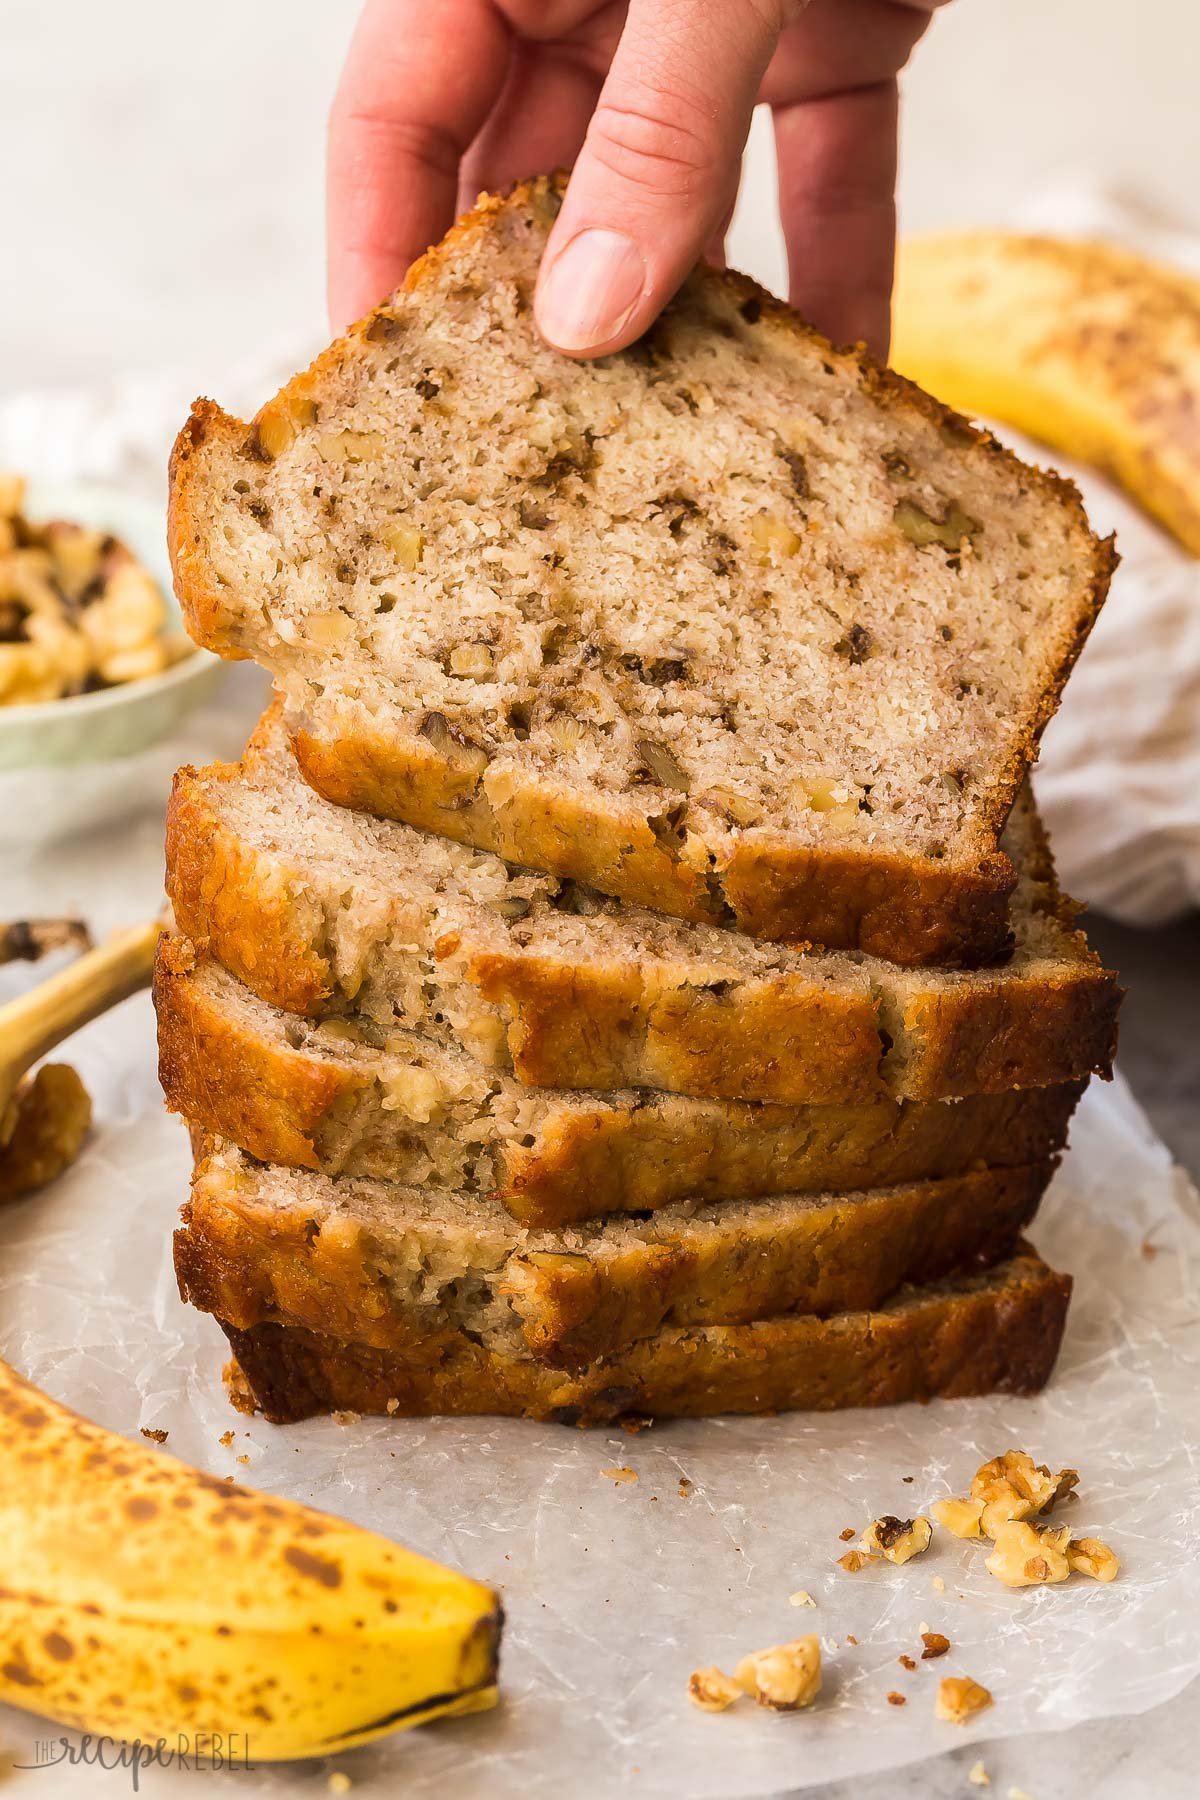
{"type": "Point", "coordinates": [391, 1407]}
{"type": "Point", "coordinates": [339, 1783]}
{"type": "Point", "coordinates": [939, 1586]}
{"type": "Point", "coordinates": [343, 1417]}
{"type": "Point", "coordinates": [243, 1458]}
{"type": "Point", "coordinates": [978, 1776]}
{"type": "Point", "coordinates": [225, 1439]}
{"type": "Point", "coordinates": [906, 1662]}
{"type": "Point", "coordinates": [621, 1473]}
{"type": "Point", "coordinates": [1015, 1793]}
{"type": "Point", "coordinates": [686, 1487]}
{"type": "Point", "coordinates": [895, 1699]}
{"type": "Point", "coordinates": [801, 1597]}
{"type": "Point", "coordinates": [850, 1638]}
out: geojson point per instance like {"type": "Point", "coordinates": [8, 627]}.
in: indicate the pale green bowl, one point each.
{"type": "Point", "coordinates": [117, 721]}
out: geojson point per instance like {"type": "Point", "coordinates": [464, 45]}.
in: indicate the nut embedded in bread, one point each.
{"type": "Point", "coordinates": [731, 624]}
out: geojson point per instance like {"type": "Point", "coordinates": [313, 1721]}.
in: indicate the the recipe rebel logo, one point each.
{"type": "Point", "coordinates": [205, 1752]}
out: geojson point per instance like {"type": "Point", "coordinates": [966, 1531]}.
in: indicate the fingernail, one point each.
{"type": "Point", "coordinates": [590, 289]}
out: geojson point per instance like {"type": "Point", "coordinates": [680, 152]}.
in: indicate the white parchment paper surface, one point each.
{"type": "Point", "coordinates": [614, 1593]}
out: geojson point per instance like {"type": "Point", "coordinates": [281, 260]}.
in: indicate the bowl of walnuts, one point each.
{"type": "Point", "coordinates": [94, 663]}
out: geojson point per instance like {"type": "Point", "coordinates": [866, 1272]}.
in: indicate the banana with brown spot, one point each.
{"type": "Point", "coordinates": [141, 1598]}
{"type": "Point", "coordinates": [1089, 347]}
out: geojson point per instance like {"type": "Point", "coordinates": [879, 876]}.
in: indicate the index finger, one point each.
{"type": "Point", "coordinates": [420, 78]}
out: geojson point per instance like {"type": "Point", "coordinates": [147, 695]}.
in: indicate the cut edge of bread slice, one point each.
{"type": "Point", "coordinates": [997, 1332]}
{"type": "Point", "coordinates": [650, 838]}
{"type": "Point", "coordinates": [379, 1263]}
{"type": "Point", "coordinates": [321, 911]}
{"type": "Point", "coordinates": [407, 1109]}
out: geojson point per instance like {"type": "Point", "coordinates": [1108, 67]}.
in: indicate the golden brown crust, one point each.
{"type": "Point", "coordinates": [252, 1259]}
{"type": "Point", "coordinates": [604, 1023]}
{"type": "Point", "coordinates": [581, 1155]}
{"type": "Point", "coordinates": [1000, 1036]}
{"type": "Point", "coordinates": [608, 1025]}
{"type": "Point", "coordinates": [786, 1039]}
{"type": "Point", "coordinates": [915, 911]}
{"type": "Point", "coordinates": [261, 926]}
{"type": "Point", "coordinates": [979, 1336]}
{"type": "Point", "coordinates": [234, 1083]}
{"type": "Point", "coordinates": [908, 909]}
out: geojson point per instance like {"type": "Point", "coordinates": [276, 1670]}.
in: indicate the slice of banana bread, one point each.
{"type": "Point", "coordinates": [732, 624]}
{"type": "Point", "coordinates": [407, 1109]}
{"type": "Point", "coordinates": [381, 1264]}
{"type": "Point", "coordinates": [320, 910]}
{"type": "Point", "coordinates": [997, 1332]}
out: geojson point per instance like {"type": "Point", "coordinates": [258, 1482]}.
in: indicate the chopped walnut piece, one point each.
{"type": "Point", "coordinates": [906, 1662]}
{"type": "Point", "coordinates": [417, 1093]}
{"type": "Point", "coordinates": [935, 1645]}
{"type": "Point", "coordinates": [895, 1699]}
{"type": "Point", "coordinates": [784, 1678]}
{"type": "Point", "coordinates": [1013, 1486]}
{"type": "Point", "coordinates": [712, 1690]}
{"type": "Point", "coordinates": [1026, 1557]}
{"type": "Point", "coordinates": [621, 1473]}
{"type": "Point", "coordinates": [959, 1698]}
{"type": "Point", "coordinates": [847, 1534]}
{"type": "Point", "coordinates": [801, 1597]}
{"type": "Point", "coordinates": [473, 662]}
{"type": "Point", "coordinates": [961, 1518]}
{"type": "Point", "coordinates": [939, 1586]}
{"type": "Point", "coordinates": [1089, 1556]}
{"type": "Point", "coordinates": [854, 1560]}
{"type": "Point", "coordinates": [899, 1540]}
{"type": "Point", "coordinates": [978, 1776]}
{"type": "Point", "coordinates": [772, 538]}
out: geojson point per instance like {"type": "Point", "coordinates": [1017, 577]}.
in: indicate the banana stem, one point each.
{"type": "Point", "coordinates": [35, 1022]}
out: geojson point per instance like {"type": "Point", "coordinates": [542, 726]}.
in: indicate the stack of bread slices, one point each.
{"type": "Point", "coordinates": [625, 973]}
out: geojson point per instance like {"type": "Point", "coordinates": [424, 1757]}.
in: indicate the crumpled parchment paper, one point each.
{"type": "Point", "coordinates": [615, 1592]}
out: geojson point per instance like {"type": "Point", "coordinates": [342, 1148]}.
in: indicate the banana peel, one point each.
{"type": "Point", "coordinates": [142, 1599]}
{"type": "Point", "coordinates": [1090, 348]}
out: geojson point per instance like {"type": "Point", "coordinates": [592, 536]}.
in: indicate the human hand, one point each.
{"type": "Point", "coordinates": [651, 102]}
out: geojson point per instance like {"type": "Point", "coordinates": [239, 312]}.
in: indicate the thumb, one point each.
{"type": "Point", "coordinates": [657, 171]}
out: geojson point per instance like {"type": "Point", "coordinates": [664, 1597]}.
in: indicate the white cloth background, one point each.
{"type": "Point", "coordinates": [1119, 779]}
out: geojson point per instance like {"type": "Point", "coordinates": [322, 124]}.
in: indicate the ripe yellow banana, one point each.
{"type": "Point", "coordinates": [141, 1599]}
{"type": "Point", "coordinates": [1092, 349]}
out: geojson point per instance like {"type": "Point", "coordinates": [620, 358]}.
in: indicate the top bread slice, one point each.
{"type": "Point", "coordinates": [732, 624]}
